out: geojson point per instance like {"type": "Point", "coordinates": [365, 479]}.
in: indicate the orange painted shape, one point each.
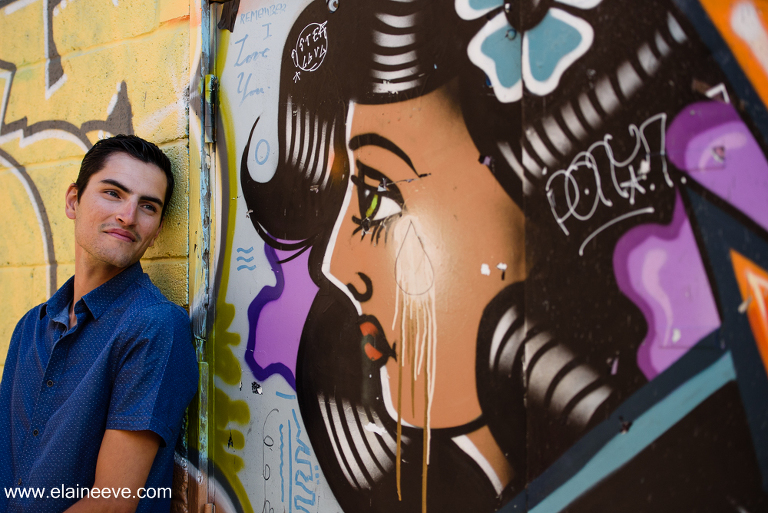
{"type": "Point", "coordinates": [372, 353]}
{"type": "Point", "coordinates": [743, 24]}
{"type": "Point", "coordinates": [368, 328]}
{"type": "Point", "coordinates": [753, 285]}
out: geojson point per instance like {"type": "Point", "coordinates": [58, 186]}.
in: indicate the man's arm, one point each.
{"type": "Point", "coordinates": [125, 458]}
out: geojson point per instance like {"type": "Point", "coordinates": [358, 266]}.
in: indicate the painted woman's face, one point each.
{"type": "Point", "coordinates": [425, 239]}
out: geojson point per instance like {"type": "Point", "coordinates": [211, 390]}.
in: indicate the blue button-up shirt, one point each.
{"type": "Point", "coordinates": [128, 364]}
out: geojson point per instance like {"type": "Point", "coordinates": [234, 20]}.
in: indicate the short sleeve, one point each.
{"type": "Point", "coordinates": [155, 373]}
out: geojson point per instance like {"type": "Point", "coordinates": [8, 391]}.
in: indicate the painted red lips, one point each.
{"type": "Point", "coordinates": [369, 332]}
{"type": "Point", "coordinates": [373, 342]}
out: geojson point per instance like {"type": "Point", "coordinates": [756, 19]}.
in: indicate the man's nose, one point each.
{"type": "Point", "coordinates": [126, 214]}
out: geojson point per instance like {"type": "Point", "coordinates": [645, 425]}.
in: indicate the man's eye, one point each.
{"type": "Point", "coordinates": [114, 194]}
{"type": "Point", "coordinates": [150, 207]}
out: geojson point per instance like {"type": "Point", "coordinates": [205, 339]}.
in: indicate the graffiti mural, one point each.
{"type": "Point", "coordinates": [492, 256]}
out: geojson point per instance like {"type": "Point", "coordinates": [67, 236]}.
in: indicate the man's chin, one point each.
{"type": "Point", "coordinates": [118, 262]}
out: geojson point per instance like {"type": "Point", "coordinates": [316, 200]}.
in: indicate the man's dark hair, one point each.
{"type": "Point", "coordinates": [136, 147]}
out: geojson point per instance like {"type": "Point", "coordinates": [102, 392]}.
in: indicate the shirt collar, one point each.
{"type": "Point", "coordinates": [59, 299]}
{"type": "Point", "coordinates": [99, 299]}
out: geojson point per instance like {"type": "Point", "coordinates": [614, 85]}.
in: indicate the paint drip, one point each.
{"type": "Point", "coordinates": [415, 307]}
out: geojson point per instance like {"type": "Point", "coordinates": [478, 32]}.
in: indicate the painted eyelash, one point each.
{"type": "Point", "coordinates": [381, 225]}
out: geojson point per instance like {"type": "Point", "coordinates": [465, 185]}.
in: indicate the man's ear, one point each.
{"type": "Point", "coordinates": [70, 201]}
{"type": "Point", "coordinates": [157, 233]}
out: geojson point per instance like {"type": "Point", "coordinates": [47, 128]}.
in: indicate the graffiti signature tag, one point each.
{"type": "Point", "coordinates": [298, 477]}
{"type": "Point", "coordinates": [311, 47]}
{"type": "Point", "coordinates": [306, 478]}
{"type": "Point", "coordinates": [633, 170]}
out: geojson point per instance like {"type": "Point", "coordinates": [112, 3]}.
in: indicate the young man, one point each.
{"type": "Point", "coordinates": [97, 378]}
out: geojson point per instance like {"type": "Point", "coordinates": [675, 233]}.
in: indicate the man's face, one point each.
{"type": "Point", "coordinates": [118, 215]}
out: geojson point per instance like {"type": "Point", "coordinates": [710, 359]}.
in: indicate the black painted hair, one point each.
{"type": "Point", "coordinates": [378, 52]}
{"type": "Point", "coordinates": [145, 151]}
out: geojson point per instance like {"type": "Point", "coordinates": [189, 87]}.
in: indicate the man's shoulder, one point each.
{"type": "Point", "coordinates": [31, 317]}
{"type": "Point", "coordinates": [141, 315]}
{"type": "Point", "coordinates": [144, 318]}
{"type": "Point", "coordinates": [145, 300]}
{"type": "Point", "coordinates": [34, 312]}
{"type": "Point", "coordinates": [24, 333]}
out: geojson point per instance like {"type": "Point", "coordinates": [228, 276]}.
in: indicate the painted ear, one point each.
{"type": "Point", "coordinates": [70, 201]}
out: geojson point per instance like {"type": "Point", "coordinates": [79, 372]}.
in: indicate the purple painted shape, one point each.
{"type": "Point", "coordinates": [711, 142]}
{"type": "Point", "coordinates": [276, 317]}
{"type": "Point", "coordinates": [660, 269]}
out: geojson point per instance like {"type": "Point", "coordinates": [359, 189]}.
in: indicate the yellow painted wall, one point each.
{"type": "Point", "coordinates": [125, 67]}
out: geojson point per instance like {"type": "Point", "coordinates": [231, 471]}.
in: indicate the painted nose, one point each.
{"type": "Point", "coordinates": [359, 284]}
{"type": "Point", "coordinates": [363, 293]}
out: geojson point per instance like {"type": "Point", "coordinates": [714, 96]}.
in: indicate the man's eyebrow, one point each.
{"type": "Point", "coordinates": [125, 189]}
{"type": "Point", "coordinates": [372, 139]}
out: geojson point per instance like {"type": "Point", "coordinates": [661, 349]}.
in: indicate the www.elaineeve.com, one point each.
{"type": "Point", "coordinates": [77, 492]}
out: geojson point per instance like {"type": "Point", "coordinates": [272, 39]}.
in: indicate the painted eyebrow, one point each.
{"type": "Point", "coordinates": [372, 139]}
{"type": "Point", "coordinates": [125, 189]}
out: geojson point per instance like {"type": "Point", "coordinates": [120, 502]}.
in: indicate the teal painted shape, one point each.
{"type": "Point", "coordinates": [482, 5]}
{"type": "Point", "coordinates": [506, 53]}
{"type": "Point", "coordinates": [548, 43]}
{"type": "Point", "coordinates": [645, 430]}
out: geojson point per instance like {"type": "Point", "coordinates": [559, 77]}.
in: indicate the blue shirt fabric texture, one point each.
{"type": "Point", "coordinates": [128, 364]}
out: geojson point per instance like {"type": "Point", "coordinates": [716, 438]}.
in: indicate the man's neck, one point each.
{"type": "Point", "coordinates": [87, 278]}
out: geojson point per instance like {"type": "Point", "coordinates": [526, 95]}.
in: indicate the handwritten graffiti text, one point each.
{"type": "Point", "coordinates": [581, 183]}
{"type": "Point", "coordinates": [271, 10]}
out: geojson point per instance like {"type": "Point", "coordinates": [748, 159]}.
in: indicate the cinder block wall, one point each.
{"type": "Point", "coordinates": [71, 72]}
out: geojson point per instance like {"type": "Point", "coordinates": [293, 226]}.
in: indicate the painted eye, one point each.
{"type": "Point", "coordinates": [377, 203]}
{"type": "Point", "coordinates": [382, 207]}
{"type": "Point", "coordinates": [376, 206]}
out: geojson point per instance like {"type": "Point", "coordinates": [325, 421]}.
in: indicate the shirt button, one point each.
{"type": "Point", "coordinates": [50, 383]}
{"type": "Point", "coordinates": [35, 432]}
{"type": "Point", "coordinates": [19, 482]}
